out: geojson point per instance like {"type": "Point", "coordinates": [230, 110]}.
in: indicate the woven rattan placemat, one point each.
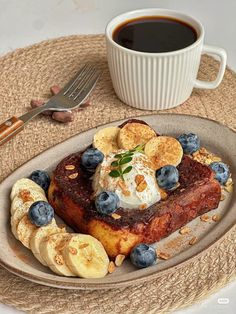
{"type": "Point", "coordinates": [28, 73]}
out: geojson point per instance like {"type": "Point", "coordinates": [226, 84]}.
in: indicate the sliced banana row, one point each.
{"type": "Point", "coordinates": [51, 251]}
{"type": "Point", "coordinates": [86, 256]}
{"type": "Point", "coordinates": [23, 194]}
{"type": "Point", "coordinates": [66, 254]}
{"type": "Point", "coordinates": [26, 184]}
{"type": "Point", "coordinates": [39, 235]}
{"type": "Point", "coordinates": [106, 140]}
{"type": "Point", "coordinates": [112, 139]}
{"type": "Point", "coordinates": [162, 150]}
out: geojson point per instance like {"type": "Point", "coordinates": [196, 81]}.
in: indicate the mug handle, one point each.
{"type": "Point", "coordinates": [223, 57]}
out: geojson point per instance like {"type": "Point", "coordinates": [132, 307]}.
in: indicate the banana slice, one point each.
{"type": "Point", "coordinates": [25, 230]}
{"type": "Point", "coordinates": [26, 196]}
{"type": "Point", "coordinates": [51, 251]}
{"type": "Point", "coordinates": [134, 134]}
{"type": "Point", "coordinates": [164, 150]}
{"type": "Point", "coordinates": [18, 215]}
{"type": "Point", "coordinates": [86, 256]}
{"type": "Point", "coordinates": [40, 234]}
{"type": "Point", "coordinates": [25, 184]}
{"type": "Point", "coordinates": [106, 140]}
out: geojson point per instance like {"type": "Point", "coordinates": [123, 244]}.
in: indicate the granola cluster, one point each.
{"type": "Point", "coordinates": [205, 157]}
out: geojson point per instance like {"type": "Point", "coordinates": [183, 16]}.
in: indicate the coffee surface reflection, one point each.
{"type": "Point", "coordinates": [154, 34]}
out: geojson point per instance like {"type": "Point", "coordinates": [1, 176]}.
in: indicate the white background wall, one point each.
{"type": "Point", "coordinates": [23, 22]}
{"type": "Point", "coordinates": [27, 21]}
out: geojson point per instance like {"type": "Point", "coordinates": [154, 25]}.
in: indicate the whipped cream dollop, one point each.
{"type": "Point", "coordinates": [138, 189]}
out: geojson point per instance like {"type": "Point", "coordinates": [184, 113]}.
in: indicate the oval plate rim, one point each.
{"type": "Point", "coordinates": [141, 276]}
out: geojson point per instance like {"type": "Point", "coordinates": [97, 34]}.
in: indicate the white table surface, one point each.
{"type": "Point", "coordinates": [29, 21]}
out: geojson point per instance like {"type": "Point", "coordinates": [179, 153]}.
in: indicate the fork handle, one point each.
{"type": "Point", "coordinates": [9, 128]}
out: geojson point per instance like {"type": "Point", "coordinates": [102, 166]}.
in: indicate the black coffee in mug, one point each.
{"type": "Point", "coordinates": [154, 34]}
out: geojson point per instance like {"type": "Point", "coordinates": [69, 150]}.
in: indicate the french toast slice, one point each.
{"type": "Point", "coordinates": [197, 193]}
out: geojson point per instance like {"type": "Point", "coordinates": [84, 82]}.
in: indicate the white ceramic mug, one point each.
{"type": "Point", "coordinates": [154, 81]}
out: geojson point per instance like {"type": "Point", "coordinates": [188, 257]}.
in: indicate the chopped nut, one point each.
{"type": "Point", "coordinates": [223, 196]}
{"type": "Point", "coordinates": [163, 194]}
{"type": "Point", "coordinates": [229, 188]}
{"type": "Point", "coordinates": [216, 218]}
{"type": "Point", "coordinates": [229, 182]}
{"type": "Point", "coordinates": [115, 216]}
{"type": "Point", "coordinates": [84, 245]}
{"type": "Point", "coordinates": [123, 187]}
{"type": "Point", "coordinates": [205, 218]}
{"type": "Point", "coordinates": [204, 156]}
{"type": "Point", "coordinates": [175, 187]}
{"type": "Point", "coordinates": [185, 230]}
{"type": "Point", "coordinates": [55, 89]}
{"type": "Point", "coordinates": [119, 259]}
{"type": "Point", "coordinates": [208, 161]}
{"type": "Point", "coordinates": [193, 241]}
{"type": "Point", "coordinates": [59, 259]}
{"type": "Point", "coordinates": [138, 178]}
{"type": "Point", "coordinates": [72, 250]}
{"type": "Point", "coordinates": [111, 267]}
{"type": "Point", "coordinates": [143, 206]}
{"type": "Point", "coordinates": [142, 186]}
{"type": "Point", "coordinates": [69, 167]}
{"type": "Point", "coordinates": [141, 183]}
{"type": "Point", "coordinates": [163, 255]}
{"type": "Point", "coordinates": [25, 196]}
{"type": "Point", "coordinates": [73, 175]}
{"type": "Point", "coordinates": [62, 226]}
{"type": "Point", "coordinates": [63, 116]}
{"type": "Point", "coordinates": [38, 103]}
{"type": "Point", "coordinates": [59, 116]}
{"type": "Point", "coordinates": [215, 159]}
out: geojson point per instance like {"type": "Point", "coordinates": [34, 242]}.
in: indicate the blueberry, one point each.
{"type": "Point", "coordinates": [190, 142]}
{"type": "Point", "coordinates": [107, 202]}
{"type": "Point", "coordinates": [143, 255]}
{"type": "Point", "coordinates": [91, 158]}
{"type": "Point", "coordinates": [221, 171]}
{"type": "Point", "coordinates": [41, 213]}
{"type": "Point", "coordinates": [42, 178]}
{"type": "Point", "coordinates": [167, 177]}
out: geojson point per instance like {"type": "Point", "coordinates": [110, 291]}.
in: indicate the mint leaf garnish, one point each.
{"type": "Point", "coordinates": [114, 174]}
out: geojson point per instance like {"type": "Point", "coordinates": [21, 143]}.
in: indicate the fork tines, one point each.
{"type": "Point", "coordinates": [87, 76]}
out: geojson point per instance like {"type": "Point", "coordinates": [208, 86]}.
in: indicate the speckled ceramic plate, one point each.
{"type": "Point", "coordinates": [214, 136]}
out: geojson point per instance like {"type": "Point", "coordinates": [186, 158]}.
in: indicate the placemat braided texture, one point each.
{"type": "Point", "coordinates": [28, 73]}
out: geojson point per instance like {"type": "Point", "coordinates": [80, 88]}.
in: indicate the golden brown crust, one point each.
{"type": "Point", "coordinates": [197, 194]}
